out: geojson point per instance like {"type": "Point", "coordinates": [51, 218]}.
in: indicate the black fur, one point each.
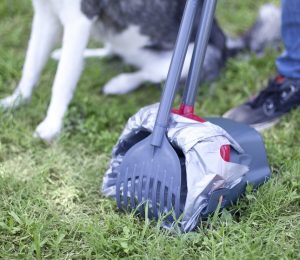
{"type": "Point", "coordinates": [158, 19]}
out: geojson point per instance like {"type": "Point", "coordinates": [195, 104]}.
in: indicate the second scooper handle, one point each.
{"type": "Point", "coordinates": [200, 48]}
{"type": "Point", "coordinates": [175, 71]}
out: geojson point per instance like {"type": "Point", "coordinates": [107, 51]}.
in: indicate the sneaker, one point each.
{"type": "Point", "coordinates": [263, 111]}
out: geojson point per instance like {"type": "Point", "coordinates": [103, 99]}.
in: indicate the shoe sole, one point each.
{"type": "Point", "coordinates": [260, 127]}
{"type": "Point", "coordinates": [265, 126]}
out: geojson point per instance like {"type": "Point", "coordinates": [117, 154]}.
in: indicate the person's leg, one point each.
{"type": "Point", "coordinates": [282, 93]}
{"type": "Point", "coordinates": [288, 64]}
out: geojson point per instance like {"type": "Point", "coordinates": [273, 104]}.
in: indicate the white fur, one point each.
{"type": "Point", "coordinates": [50, 18]}
{"type": "Point", "coordinates": [88, 53]}
{"type": "Point", "coordinates": [153, 68]}
{"type": "Point", "coordinates": [45, 31]}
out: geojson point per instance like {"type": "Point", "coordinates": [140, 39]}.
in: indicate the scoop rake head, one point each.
{"type": "Point", "coordinates": [151, 171]}
{"type": "Point", "coordinates": [150, 176]}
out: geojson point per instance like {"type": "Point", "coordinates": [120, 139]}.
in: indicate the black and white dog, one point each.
{"type": "Point", "coordinates": [141, 32]}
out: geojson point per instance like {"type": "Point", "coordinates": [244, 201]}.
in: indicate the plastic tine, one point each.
{"type": "Point", "coordinates": [125, 191]}
{"type": "Point", "coordinates": [177, 203]}
{"type": "Point", "coordinates": [140, 191]}
{"type": "Point", "coordinates": [175, 71]}
{"type": "Point", "coordinates": [118, 192]}
{"type": "Point", "coordinates": [132, 189]}
{"type": "Point", "coordinates": [170, 196]}
{"type": "Point", "coordinates": [201, 43]}
{"type": "Point", "coordinates": [147, 192]}
{"type": "Point", "coordinates": [162, 205]}
{"type": "Point", "coordinates": [155, 191]}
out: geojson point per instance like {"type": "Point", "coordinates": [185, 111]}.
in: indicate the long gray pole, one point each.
{"type": "Point", "coordinates": [175, 71]}
{"type": "Point", "coordinates": [201, 43]}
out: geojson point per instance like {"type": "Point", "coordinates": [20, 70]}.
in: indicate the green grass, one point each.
{"type": "Point", "coordinates": [50, 207]}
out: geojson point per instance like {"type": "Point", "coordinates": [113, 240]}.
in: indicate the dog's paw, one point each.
{"type": "Point", "coordinates": [55, 55]}
{"type": "Point", "coordinates": [12, 101]}
{"type": "Point", "coordinates": [121, 84]}
{"type": "Point", "coordinates": [48, 130]}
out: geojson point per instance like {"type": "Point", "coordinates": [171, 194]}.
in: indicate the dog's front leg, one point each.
{"type": "Point", "coordinates": [44, 35]}
{"type": "Point", "coordinates": [75, 39]}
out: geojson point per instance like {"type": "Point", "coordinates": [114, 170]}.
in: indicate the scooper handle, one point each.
{"type": "Point", "coordinates": [175, 71]}
{"type": "Point", "coordinates": [194, 77]}
{"type": "Point", "coordinates": [193, 81]}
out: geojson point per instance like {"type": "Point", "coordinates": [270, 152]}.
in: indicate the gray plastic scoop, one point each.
{"type": "Point", "coordinates": [151, 171]}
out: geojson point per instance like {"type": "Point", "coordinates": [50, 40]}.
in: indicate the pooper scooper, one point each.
{"type": "Point", "coordinates": [151, 173]}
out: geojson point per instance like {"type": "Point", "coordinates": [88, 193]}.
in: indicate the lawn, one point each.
{"type": "Point", "coordinates": [50, 205]}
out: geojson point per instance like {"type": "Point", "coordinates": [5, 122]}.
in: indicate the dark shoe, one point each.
{"type": "Point", "coordinates": [263, 111]}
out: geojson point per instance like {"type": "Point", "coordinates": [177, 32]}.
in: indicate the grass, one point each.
{"type": "Point", "coordinates": [50, 207]}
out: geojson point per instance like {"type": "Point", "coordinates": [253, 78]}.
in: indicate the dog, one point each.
{"type": "Point", "coordinates": [142, 32]}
